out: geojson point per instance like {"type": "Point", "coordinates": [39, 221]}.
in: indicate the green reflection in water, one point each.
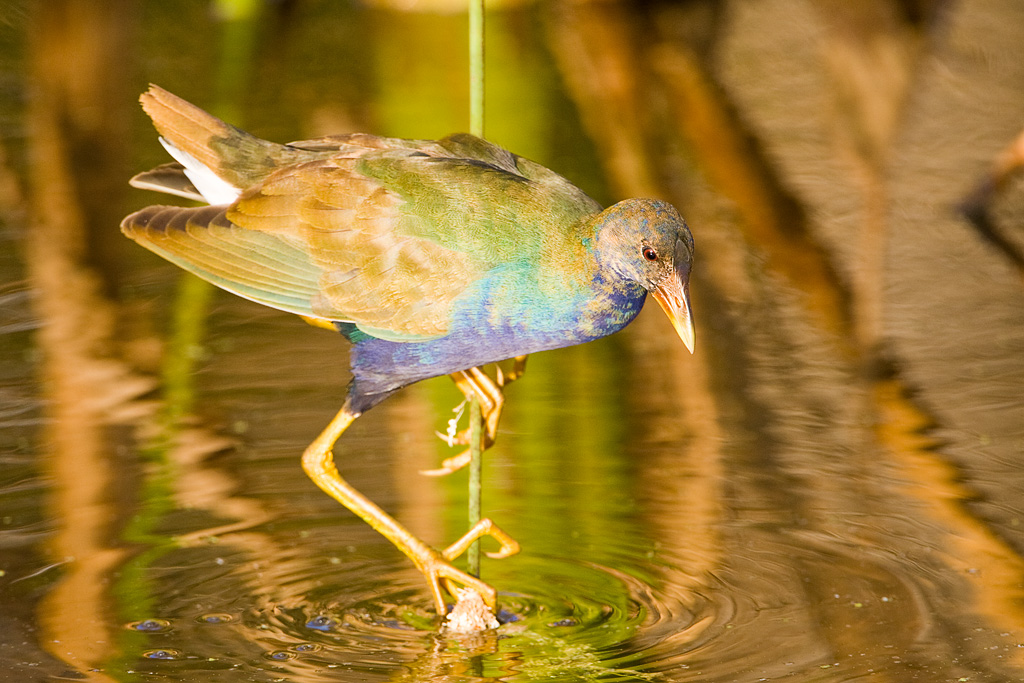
{"type": "Point", "coordinates": [421, 82]}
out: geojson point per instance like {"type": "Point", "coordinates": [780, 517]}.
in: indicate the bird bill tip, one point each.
{"type": "Point", "coordinates": [685, 332]}
{"type": "Point", "coordinates": [675, 301]}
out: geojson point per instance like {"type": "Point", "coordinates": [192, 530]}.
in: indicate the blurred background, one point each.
{"type": "Point", "coordinates": [830, 489]}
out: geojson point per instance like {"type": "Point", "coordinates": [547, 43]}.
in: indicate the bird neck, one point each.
{"type": "Point", "coordinates": [605, 240]}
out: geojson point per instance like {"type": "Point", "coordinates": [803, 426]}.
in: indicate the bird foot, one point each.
{"type": "Point", "coordinates": [475, 382]}
{"type": "Point", "coordinates": [438, 569]}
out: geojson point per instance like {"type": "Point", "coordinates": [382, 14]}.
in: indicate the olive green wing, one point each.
{"type": "Point", "coordinates": [320, 240]}
{"type": "Point", "coordinates": [255, 265]}
{"type": "Point", "coordinates": [478, 198]}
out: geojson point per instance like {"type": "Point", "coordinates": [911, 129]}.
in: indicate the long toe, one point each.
{"type": "Point", "coordinates": [439, 570]}
{"type": "Point", "coordinates": [449, 465]}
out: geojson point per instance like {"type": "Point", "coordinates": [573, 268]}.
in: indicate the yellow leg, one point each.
{"type": "Point", "coordinates": [475, 382]}
{"type": "Point", "coordinates": [318, 462]}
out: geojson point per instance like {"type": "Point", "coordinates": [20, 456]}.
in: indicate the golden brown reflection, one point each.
{"type": "Point", "coordinates": [87, 385]}
{"type": "Point", "coordinates": [871, 52]}
{"type": "Point", "coordinates": [993, 570]}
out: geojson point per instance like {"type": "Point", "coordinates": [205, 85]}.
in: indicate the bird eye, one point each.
{"type": "Point", "coordinates": [649, 253]}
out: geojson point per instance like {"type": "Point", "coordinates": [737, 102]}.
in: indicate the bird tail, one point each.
{"type": "Point", "coordinates": [219, 159]}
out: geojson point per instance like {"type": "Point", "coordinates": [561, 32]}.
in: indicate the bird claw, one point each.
{"type": "Point", "coordinates": [438, 570]}
{"type": "Point", "coordinates": [449, 465]}
{"type": "Point", "coordinates": [514, 373]}
{"type": "Point", "coordinates": [470, 615]}
{"type": "Point", "coordinates": [452, 439]}
{"type": "Point", "coordinates": [456, 462]}
{"type": "Point", "coordinates": [462, 438]}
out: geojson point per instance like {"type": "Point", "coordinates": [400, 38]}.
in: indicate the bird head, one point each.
{"type": "Point", "coordinates": [646, 241]}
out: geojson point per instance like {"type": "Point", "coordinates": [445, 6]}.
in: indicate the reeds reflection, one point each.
{"type": "Point", "coordinates": [829, 489]}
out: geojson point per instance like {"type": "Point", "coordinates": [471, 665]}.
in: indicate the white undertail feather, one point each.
{"type": "Point", "coordinates": [215, 190]}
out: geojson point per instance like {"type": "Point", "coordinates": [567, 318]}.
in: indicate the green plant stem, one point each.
{"type": "Point", "coordinates": [476, 127]}
{"type": "Point", "coordinates": [475, 483]}
{"type": "Point", "coordinates": [476, 67]}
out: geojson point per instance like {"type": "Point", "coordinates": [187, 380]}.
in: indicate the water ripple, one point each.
{"type": "Point", "coordinates": [756, 614]}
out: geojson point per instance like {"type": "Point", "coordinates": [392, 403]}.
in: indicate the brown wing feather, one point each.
{"type": "Point", "coordinates": [231, 154]}
{"type": "Point", "coordinates": [263, 267]}
{"type": "Point", "coordinates": [374, 272]}
{"type": "Point", "coordinates": [322, 241]}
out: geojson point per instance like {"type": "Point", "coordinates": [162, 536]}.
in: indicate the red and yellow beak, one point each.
{"type": "Point", "coordinates": [673, 293]}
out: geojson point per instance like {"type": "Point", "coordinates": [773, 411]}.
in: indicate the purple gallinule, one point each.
{"type": "Point", "coordinates": [430, 257]}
